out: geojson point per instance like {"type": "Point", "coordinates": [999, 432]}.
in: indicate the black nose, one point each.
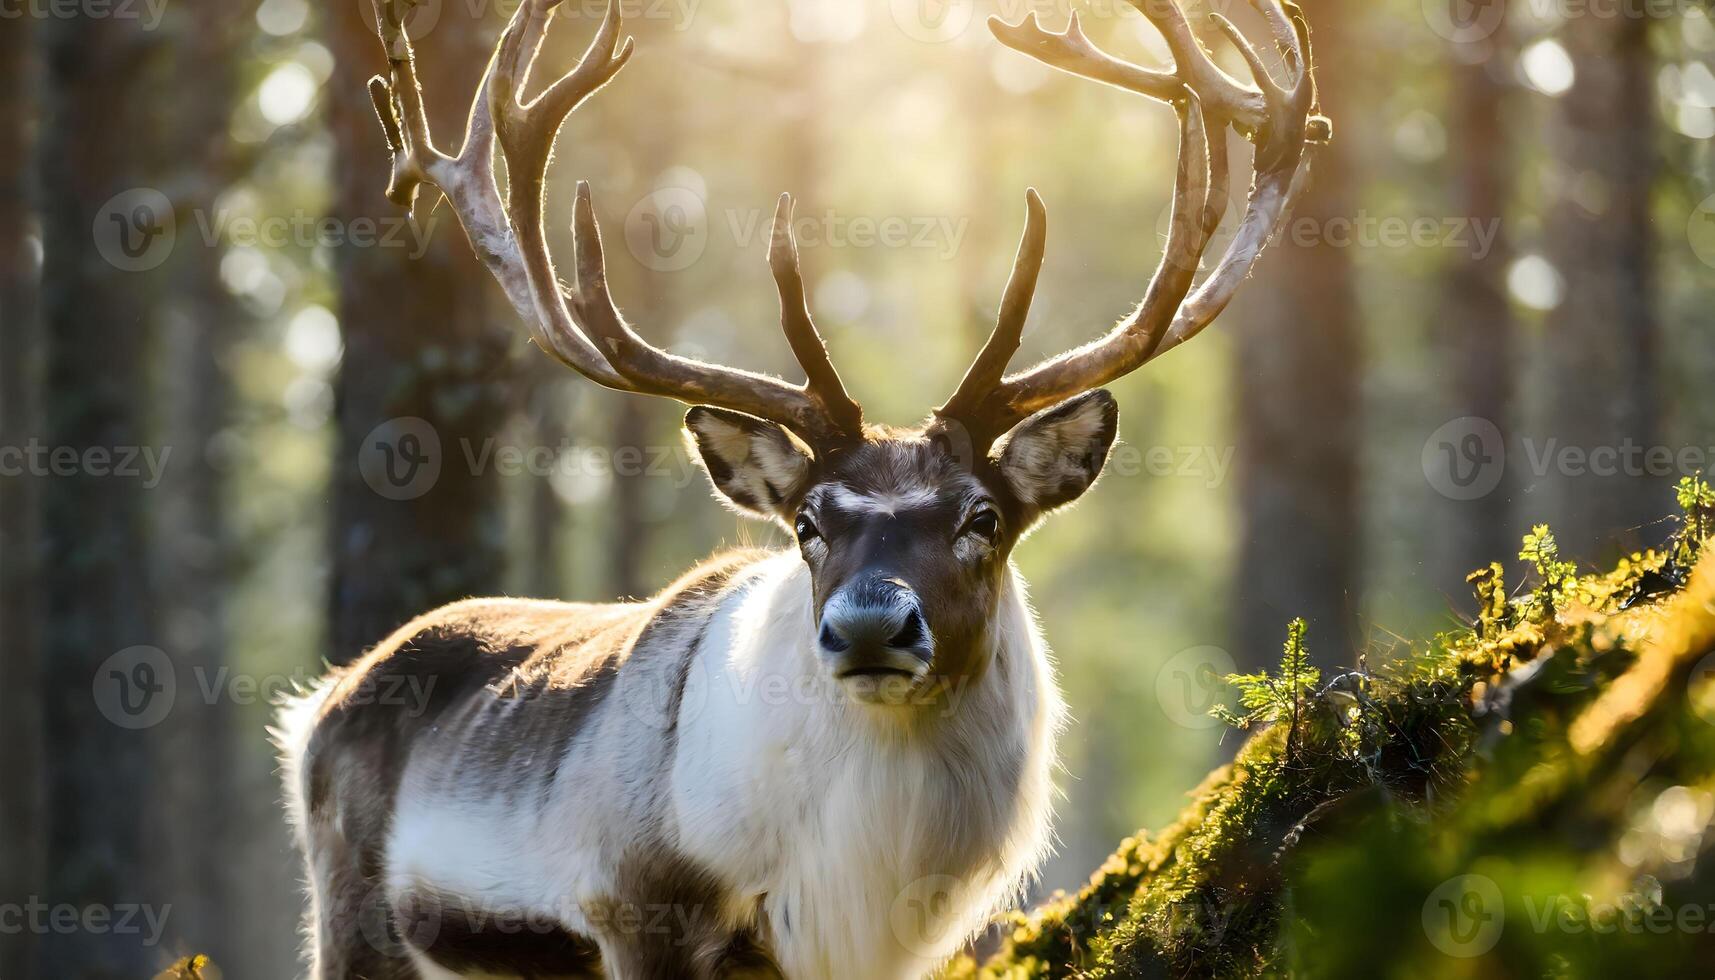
{"type": "Point", "coordinates": [875, 627]}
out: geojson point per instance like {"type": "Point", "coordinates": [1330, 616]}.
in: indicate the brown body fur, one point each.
{"type": "Point", "coordinates": [461, 661]}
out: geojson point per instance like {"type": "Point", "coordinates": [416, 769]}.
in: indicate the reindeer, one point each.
{"type": "Point", "coordinates": [832, 760]}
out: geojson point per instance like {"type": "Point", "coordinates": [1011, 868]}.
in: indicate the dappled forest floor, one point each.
{"type": "Point", "coordinates": [1529, 796]}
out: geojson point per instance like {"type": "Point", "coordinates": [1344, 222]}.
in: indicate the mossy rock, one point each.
{"type": "Point", "coordinates": [1532, 796]}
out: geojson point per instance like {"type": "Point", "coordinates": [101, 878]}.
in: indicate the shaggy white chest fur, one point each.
{"type": "Point", "coordinates": [861, 842]}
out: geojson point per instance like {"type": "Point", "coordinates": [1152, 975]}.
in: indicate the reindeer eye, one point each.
{"type": "Point", "coordinates": [985, 525]}
{"type": "Point", "coordinates": [806, 529]}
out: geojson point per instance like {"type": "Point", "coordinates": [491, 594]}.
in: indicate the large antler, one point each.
{"type": "Point", "coordinates": [1279, 118]}
{"type": "Point", "coordinates": [580, 325]}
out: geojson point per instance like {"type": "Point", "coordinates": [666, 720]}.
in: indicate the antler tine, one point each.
{"type": "Point", "coordinates": [468, 179]}
{"type": "Point", "coordinates": [402, 181]}
{"type": "Point", "coordinates": [591, 325]}
{"type": "Point", "coordinates": [651, 370]}
{"type": "Point", "coordinates": [603, 59]}
{"type": "Point", "coordinates": [1072, 51]}
{"type": "Point", "coordinates": [1253, 58]}
{"type": "Point", "coordinates": [1193, 66]}
{"type": "Point", "coordinates": [1138, 335]}
{"type": "Point", "coordinates": [527, 129]}
{"type": "Point", "coordinates": [822, 380]}
{"type": "Point", "coordinates": [398, 101]}
{"type": "Point", "coordinates": [1283, 171]}
{"type": "Point", "coordinates": [584, 330]}
{"type": "Point", "coordinates": [986, 371]}
{"type": "Point", "coordinates": [515, 56]}
{"type": "Point", "coordinates": [1220, 181]}
{"type": "Point", "coordinates": [1276, 116]}
{"type": "Point", "coordinates": [1189, 228]}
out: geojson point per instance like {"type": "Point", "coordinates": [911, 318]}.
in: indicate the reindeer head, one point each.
{"type": "Point", "coordinates": [906, 534]}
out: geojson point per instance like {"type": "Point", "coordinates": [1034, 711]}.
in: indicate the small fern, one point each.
{"type": "Point", "coordinates": [190, 968]}
{"type": "Point", "coordinates": [1697, 515]}
{"type": "Point", "coordinates": [1494, 617]}
{"type": "Point", "coordinates": [1265, 699]}
{"type": "Point", "coordinates": [1556, 577]}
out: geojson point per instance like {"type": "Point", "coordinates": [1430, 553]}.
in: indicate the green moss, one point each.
{"type": "Point", "coordinates": [1522, 750]}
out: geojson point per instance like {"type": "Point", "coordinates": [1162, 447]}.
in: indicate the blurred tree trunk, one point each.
{"type": "Point", "coordinates": [21, 824]}
{"type": "Point", "coordinates": [199, 806]}
{"type": "Point", "coordinates": [661, 299]}
{"type": "Point", "coordinates": [544, 573]}
{"type": "Point", "coordinates": [628, 436]}
{"type": "Point", "coordinates": [100, 134]}
{"type": "Point", "coordinates": [1475, 326]}
{"type": "Point", "coordinates": [1299, 406]}
{"type": "Point", "coordinates": [1602, 340]}
{"type": "Point", "coordinates": [423, 351]}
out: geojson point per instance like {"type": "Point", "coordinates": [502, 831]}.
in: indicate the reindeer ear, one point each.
{"type": "Point", "coordinates": [1052, 457]}
{"type": "Point", "coordinates": [757, 466]}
